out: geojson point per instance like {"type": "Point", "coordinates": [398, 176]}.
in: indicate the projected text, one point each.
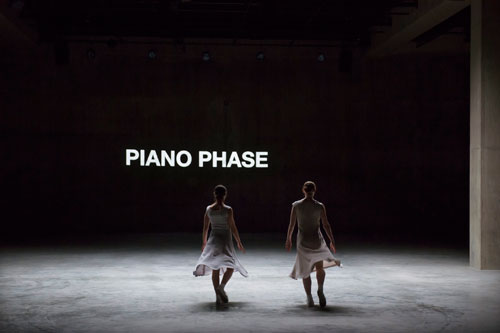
{"type": "Point", "coordinates": [183, 158]}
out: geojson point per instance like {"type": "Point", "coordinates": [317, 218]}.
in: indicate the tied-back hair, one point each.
{"type": "Point", "coordinates": [309, 186]}
{"type": "Point", "coordinates": [220, 191]}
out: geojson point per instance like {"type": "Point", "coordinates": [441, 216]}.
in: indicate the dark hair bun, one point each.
{"type": "Point", "coordinates": [220, 191]}
{"type": "Point", "coordinates": [309, 186]}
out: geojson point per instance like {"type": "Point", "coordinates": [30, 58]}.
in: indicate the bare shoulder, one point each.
{"type": "Point", "coordinates": [296, 203]}
{"type": "Point", "coordinates": [320, 204]}
{"type": "Point", "coordinates": [210, 207]}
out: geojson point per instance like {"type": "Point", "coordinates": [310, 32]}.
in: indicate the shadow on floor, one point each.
{"type": "Point", "coordinates": [327, 310]}
{"type": "Point", "coordinates": [212, 307]}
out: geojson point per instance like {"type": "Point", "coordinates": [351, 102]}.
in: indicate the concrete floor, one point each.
{"type": "Point", "coordinates": [146, 285]}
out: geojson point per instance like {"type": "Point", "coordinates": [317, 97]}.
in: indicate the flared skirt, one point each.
{"type": "Point", "coordinates": [219, 254]}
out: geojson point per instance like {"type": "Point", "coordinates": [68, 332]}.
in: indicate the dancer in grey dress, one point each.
{"type": "Point", "coordinates": [312, 252]}
{"type": "Point", "coordinates": [218, 254]}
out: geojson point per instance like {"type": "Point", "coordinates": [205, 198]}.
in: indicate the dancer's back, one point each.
{"type": "Point", "coordinates": [312, 252]}
{"type": "Point", "coordinates": [219, 217]}
{"type": "Point", "coordinates": [308, 221]}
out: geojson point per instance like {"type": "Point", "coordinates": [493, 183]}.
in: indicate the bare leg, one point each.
{"type": "Point", "coordinates": [307, 285]}
{"type": "Point", "coordinates": [227, 276]}
{"type": "Point", "coordinates": [320, 276]}
{"type": "Point", "coordinates": [220, 289]}
{"type": "Point", "coordinates": [215, 278]}
{"type": "Point", "coordinates": [307, 288]}
{"type": "Point", "coordinates": [215, 281]}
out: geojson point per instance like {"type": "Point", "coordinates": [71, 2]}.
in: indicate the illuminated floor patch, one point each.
{"type": "Point", "coordinates": [140, 287]}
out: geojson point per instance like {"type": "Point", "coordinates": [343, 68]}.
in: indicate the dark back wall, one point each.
{"type": "Point", "coordinates": [386, 143]}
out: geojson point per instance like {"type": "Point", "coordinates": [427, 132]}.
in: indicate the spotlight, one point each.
{"type": "Point", "coordinates": [152, 54]}
{"type": "Point", "coordinates": [321, 57]}
{"type": "Point", "coordinates": [206, 56]}
{"type": "Point", "coordinates": [91, 54]}
{"type": "Point", "coordinates": [260, 56]}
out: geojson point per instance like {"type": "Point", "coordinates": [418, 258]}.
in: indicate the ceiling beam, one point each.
{"type": "Point", "coordinates": [12, 29]}
{"type": "Point", "coordinates": [427, 16]}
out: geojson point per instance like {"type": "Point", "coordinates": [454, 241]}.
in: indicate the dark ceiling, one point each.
{"type": "Point", "coordinates": [346, 21]}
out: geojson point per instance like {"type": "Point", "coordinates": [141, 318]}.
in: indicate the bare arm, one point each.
{"type": "Point", "coordinates": [328, 229]}
{"type": "Point", "coordinates": [206, 223]}
{"type": "Point", "coordinates": [291, 227]}
{"type": "Point", "coordinates": [234, 230]}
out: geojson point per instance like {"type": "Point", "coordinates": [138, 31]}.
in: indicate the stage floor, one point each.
{"type": "Point", "coordinates": [146, 284]}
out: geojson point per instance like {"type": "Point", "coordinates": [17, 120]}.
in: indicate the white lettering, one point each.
{"type": "Point", "coordinates": [142, 157]}
{"type": "Point", "coordinates": [234, 159]}
{"type": "Point", "coordinates": [248, 161]}
{"type": "Point", "coordinates": [203, 156]}
{"type": "Point", "coordinates": [153, 158]}
{"type": "Point", "coordinates": [189, 158]}
{"type": "Point", "coordinates": [260, 157]}
{"type": "Point", "coordinates": [216, 159]}
{"type": "Point", "coordinates": [183, 158]}
{"type": "Point", "coordinates": [169, 158]}
{"type": "Point", "coordinates": [131, 155]}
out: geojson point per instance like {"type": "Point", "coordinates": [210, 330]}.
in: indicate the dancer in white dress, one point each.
{"type": "Point", "coordinates": [312, 252]}
{"type": "Point", "coordinates": [218, 254]}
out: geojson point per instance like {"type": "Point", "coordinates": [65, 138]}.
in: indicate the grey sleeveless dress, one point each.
{"type": "Point", "coordinates": [219, 252]}
{"type": "Point", "coordinates": [311, 246]}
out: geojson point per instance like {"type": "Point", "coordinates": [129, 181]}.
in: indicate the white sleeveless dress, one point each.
{"type": "Point", "coordinates": [219, 252]}
{"type": "Point", "coordinates": [311, 247]}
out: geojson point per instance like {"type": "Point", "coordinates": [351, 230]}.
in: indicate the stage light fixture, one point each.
{"type": "Point", "coordinates": [152, 54]}
{"type": "Point", "coordinates": [321, 57]}
{"type": "Point", "coordinates": [206, 56]}
{"type": "Point", "coordinates": [260, 56]}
